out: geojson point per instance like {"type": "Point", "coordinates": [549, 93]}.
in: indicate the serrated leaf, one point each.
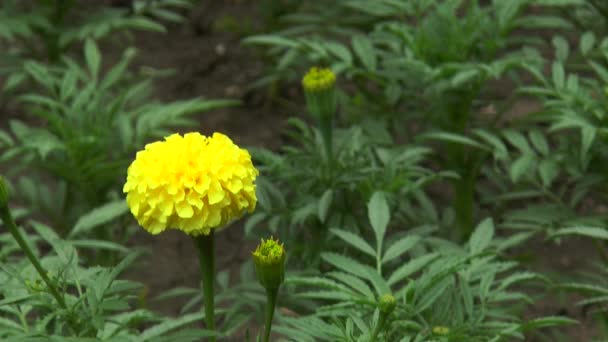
{"type": "Point", "coordinates": [558, 74]}
{"type": "Point", "coordinates": [355, 241]}
{"type": "Point", "coordinates": [411, 267]}
{"type": "Point", "coordinates": [379, 216]}
{"type": "Point", "coordinates": [365, 51]}
{"type": "Point", "coordinates": [92, 57]}
{"type": "Point", "coordinates": [399, 247]}
{"type": "Point", "coordinates": [548, 170]}
{"type": "Point", "coordinates": [325, 204]}
{"type": "Point", "coordinates": [592, 232]}
{"type": "Point", "coordinates": [99, 216]}
{"type": "Point", "coordinates": [587, 42]}
{"type": "Point", "coordinates": [521, 166]}
{"type": "Point", "coordinates": [482, 236]}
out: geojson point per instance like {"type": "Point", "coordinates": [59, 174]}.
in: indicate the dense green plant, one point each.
{"type": "Point", "coordinates": [443, 291]}
{"type": "Point", "coordinates": [333, 194]}
{"type": "Point", "coordinates": [85, 125]}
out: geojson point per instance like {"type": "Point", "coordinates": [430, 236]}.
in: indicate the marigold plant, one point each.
{"type": "Point", "coordinates": [192, 183]}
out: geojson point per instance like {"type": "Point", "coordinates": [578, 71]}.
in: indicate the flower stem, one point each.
{"type": "Point", "coordinates": [7, 218]}
{"type": "Point", "coordinates": [9, 223]}
{"type": "Point", "coordinates": [379, 326]}
{"type": "Point", "coordinates": [271, 300]}
{"type": "Point", "coordinates": [205, 245]}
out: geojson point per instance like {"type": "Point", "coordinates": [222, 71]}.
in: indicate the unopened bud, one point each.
{"type": "Point", "coordinates": [269, 261]}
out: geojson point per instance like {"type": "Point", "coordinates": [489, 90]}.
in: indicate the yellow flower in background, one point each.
{"type": "Point", "coordinates": [318, 79]}
{"type": "Point", "coordinates": [192, 183]}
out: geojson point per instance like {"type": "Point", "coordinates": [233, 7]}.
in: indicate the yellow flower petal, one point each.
{"type": "Point", "coordinates": [192, 183]}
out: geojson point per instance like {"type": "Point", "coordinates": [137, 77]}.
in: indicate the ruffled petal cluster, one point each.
{"type": "Point", "coordinates": [192, 183]}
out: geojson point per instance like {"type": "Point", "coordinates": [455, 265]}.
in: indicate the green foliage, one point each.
{"type": "Point", "coordinates": [90, 124]}
{"type": "Point", "coordinates": [332, 194]}
{"type": "Point", "coordinates": [461, 293]}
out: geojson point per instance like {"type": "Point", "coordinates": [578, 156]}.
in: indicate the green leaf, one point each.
{"type": "Point", "coordinates": [169, 325]}
{"type": "Point", "coordinates": [92, 57]}
{"type": "Point", "coordinates": [548, 321]}
{"type": "Point", "coordinates": [539, 142]}
{"type": "Point", "coordinates": [365, 51]}
{"type": "Point", "coordinates": [562, 49]}
{"type": "Point", "coordinates": [592, 232]}
{"type": "Point", "coordinates": [453, 138]}
{"type": "Point", "coordinates": [548, 170]}
{"type": "Point", "coordinates": [521, 166]}
{"type": "Point", "coordinates": [325, 204]}
{"type": "Point", "coordinates": [587, 42]}
{"type": "Point", "coordinates": [464, 77]}
{"type": "Point", "coordinates": [99, 216]}
{"type": "Point", "coordinates": [558, 74]}
{"type": "Point", "coordinates": [399, 247]}
{"type": "Point", "coordinates": [379, 216]}
{"type": "Point", "coordinates": [348, 265]}
{"type": "Point", "coordinates": [411, 267]}
{"type": "Point", "coordinates": [482, 236]}
{"type": "Point", "coordinates": [271, 40]}
{"type": "Point", "coordinates": [355, 241]}
{"type": "Point", "coordinates": [98, 244]}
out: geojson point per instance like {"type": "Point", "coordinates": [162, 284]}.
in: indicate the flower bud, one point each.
{"type": "Point", "coordinates": [319, 88]}
{"type": "Point", "coordinates": [3, 193]}
{"type": "Point", "coordinates": [269, 261]}
{"type": "Point", "coordinates": [387, 304]}
{"type": "Point", "coordinates": [441, 330]}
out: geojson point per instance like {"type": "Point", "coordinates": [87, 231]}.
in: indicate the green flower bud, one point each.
{"type": "Point", "coordinates": [269, 261]}
{"type": "Point", "coordinates": [320, 89]}
{"type": "Point", "coordinates": [3, 193]}
{"type": "Point", "coordinates": [441, 330]}
{"type": "Point", "coordinates": [387, 304]}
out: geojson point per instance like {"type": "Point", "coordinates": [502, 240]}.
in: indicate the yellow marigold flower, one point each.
{"type": "Point", "coordinates": [192, 183]}
{"type": "Point", "coordinates": [318, 79]}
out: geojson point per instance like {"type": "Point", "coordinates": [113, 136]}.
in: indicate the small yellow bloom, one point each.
{"type": "Point", "coordinates": [318, 79]}
{"type": "Point", "coordinates": [192, 183]}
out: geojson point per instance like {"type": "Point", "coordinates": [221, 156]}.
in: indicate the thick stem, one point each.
{"type": "Point", "coordinates": [463, 204]}
{"type": "Point", "coordinates": [205, 246]}
{"type": "Point", "coordinates": [271, 300]}
{"type": "Point", "coordinates": [326, 133]}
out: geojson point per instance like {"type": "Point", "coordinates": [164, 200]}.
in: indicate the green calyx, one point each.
{"type": "Point", "coordinates": [387, 304]}
{"type": "Point", "coordinates": [269, 261]}
{"type": "Point", "coordinates": [320, 91]}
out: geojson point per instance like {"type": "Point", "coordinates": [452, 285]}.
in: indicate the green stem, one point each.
{"type": "Point", "coordinates": [378, 327]}
{"type": "Point", "coordinates": [325, 126]}
{"type": "Point", "coordinates": [463, 204]}
{"type": "Point", "coordinates": [9, 222]}
{"type": "Point", "coordinates": [271, 300]}
{"type": "Point", "coordinates": [205, 246]}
